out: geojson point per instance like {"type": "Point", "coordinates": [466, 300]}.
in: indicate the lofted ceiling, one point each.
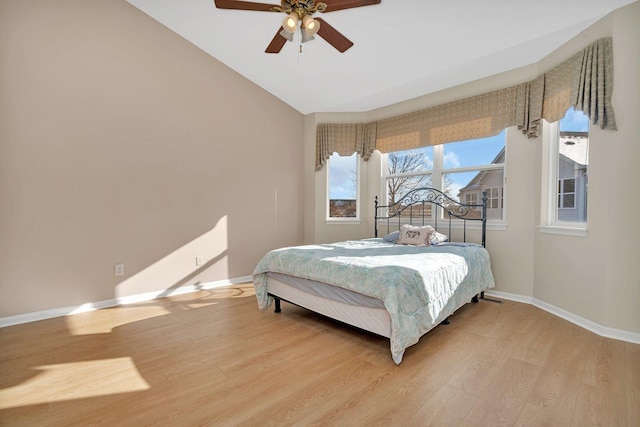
{"type": "Point", "coordinates": [402, 48]}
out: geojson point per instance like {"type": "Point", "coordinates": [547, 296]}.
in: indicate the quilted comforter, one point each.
{"type": "Point", "coordinates": [419, 286]}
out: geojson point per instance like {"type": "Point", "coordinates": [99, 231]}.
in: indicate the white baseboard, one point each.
{"type": "Point", "coordinates": [90, 306]}
{"type": "Point", "coordinates": [596, 328]}
{"type": "Point", "coordinates": [589, 325]}
{"type": "Point", "coordinates": [510, 297]}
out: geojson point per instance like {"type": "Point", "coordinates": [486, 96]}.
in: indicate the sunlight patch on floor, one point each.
{"type": "Point", "coordinates": [236, 291]}
{"type": "Point", "coordinates": [105, 320]}
{"type": "Point", "coordinates": [76, 380]}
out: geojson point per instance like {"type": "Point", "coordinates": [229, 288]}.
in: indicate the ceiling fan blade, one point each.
{"type": "Point", "coordinates": [333, 5]}
{"type": "Point", "coordinates": [244, 5]}
{"type": "Point", "coordinates": [276, 43]}
{"type": "Point", "coordinates": [333, 36]}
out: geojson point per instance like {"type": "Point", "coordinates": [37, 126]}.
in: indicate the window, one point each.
{"type": "Point", "coordinates": [462, 170]}
{"type": "Point", "coordinates": [569, 162]}
{"type": "Point", "coordinates": [494, 197]}
{"type": "Point", "coordinates": [567, 193]}
{"type": "Point", "coordinates": [408, 170]}
{"type": "Point", "coordinates": [343, 187]}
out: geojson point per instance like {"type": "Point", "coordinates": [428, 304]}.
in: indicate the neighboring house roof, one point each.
{"type": "Point", "coordinates": [572, 145]}
{"type": "Point", "coordinates": [575, 146]}
{"type": "Point", "coordinates": [475, 182]}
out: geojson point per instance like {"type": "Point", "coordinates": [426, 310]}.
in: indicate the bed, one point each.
{"type": "Point", "coordinates": [399, 286]}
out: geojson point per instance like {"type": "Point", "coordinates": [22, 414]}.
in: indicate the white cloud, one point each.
{"type": "Point", "coordinates": [450, 160]}
{"type": "Point", "coordinates": [454, 190]}
{"type": "Point", "coordinates": [575, 121]}
{"type": "Point", "coordinates": [341, 177]}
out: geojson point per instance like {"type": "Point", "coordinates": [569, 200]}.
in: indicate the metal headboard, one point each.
{"type": "Point", "coordinates": [438, 202]}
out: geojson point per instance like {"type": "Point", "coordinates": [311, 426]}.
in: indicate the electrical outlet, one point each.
{"type": "Point", "coordinates": [118, 269]}
{"type": "Point", "coordinates": [199, 261]}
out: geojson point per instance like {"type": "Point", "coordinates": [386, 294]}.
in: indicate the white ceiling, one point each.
{"type": "Point", "coordinates": [402, 48]}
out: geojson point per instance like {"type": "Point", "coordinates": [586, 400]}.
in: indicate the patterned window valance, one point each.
{"type": "Point", "coordinates": [469, 118]}
{"type": "Point", "coordinates": [585, 81]}
{"type": "Point", "coordinates": [344, 139]}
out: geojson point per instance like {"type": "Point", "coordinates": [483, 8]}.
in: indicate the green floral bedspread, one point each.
{"type": "Point", "coordinates": [420, 286]}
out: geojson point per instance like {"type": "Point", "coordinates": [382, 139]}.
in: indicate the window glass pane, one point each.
{"type": "Point", "coordinates": [453, 183]}
{"type": "Point", "coordinates": [410, 161]}
{"type": "Point", "coordinates": [450, 168]}
{"type": "Point", "coordinates": [407, 164]}
{"type": "Point", "coordinates": [475, 152]}
{"type": "Point", "coordinates": [467, 187]}
{"type": "Point", "coordinates": [409, 207]}
{"type": "Point", "coordinates": [399, 186]}
{"type": "Point", "coordinates": [568, 201]}
{"type": "Point", "coordinates": [493, 203]}
{"type": "Point", "coordinates": [569, 185]}
{"type": "Point", "coordinates": [343, 186]}
{"type": "Point", "coordinates": [573, 163]}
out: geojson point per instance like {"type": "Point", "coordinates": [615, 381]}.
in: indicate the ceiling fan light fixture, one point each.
{"type": "Point", "coordinates": [287, 35]}
{"type": "Point", "coordinates": [290, 23]}
{"type": "Point", "coordinates": [306, 36]}
{"type": "Point", "coordinates": [299, 15]}
{"type": "Point", "coordinates": [310, 25]}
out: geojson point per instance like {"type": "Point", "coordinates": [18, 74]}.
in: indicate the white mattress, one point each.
{"type": "Point", "coordinates": [337, 303]}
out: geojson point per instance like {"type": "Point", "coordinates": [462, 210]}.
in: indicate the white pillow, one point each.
{"type": "Point", "coordinates": [438, 238]}
{"type": "Point", "coordinates": [415, 235]}
{"type": "Point", "coordinates": [392, 237]}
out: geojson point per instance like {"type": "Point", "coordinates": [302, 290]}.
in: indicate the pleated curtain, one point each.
{"type": "Point", "coordinates": [584, 81]}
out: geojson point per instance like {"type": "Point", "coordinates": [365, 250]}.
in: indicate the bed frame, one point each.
{"type": "Point", "coordinates": [442, 207]}
{"type": "Point", "coordinates": [421, 206]}
{"type": "Point", "coordinates": [412, 207]}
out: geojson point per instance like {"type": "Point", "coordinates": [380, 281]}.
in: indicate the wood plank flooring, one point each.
{"type": "Point", "coordinates": [213, 358]}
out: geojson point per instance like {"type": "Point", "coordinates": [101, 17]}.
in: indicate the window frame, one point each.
{"type": "Point", "coordinates": [549, 223]}
{"type": "Point", "coordinates": [342, 220]}
{"type": "Point", "coordinates": [562, 193]}
{"type": "Point", "coordinates": [499, 197]}
{"type": "Point", "coordinates": [437, 173]}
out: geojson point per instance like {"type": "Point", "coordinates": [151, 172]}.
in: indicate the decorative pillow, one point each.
{"type": "Point", "coordinates": [414, 235]}
{"type": "Point", "coordinates": [438, 238]}
{"type": "Point", "coordinates": [392, 237]}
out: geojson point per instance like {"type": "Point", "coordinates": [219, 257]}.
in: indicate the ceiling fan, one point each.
{"type": "Point", "coordinates": [299, 15]}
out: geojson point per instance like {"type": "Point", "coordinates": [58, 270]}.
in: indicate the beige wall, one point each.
{"type": "Point", "coordinates": [120, 142]}
{"type": "Point", "coordinates": [316, 228]}
{"type": "Point", "coordinates": [597, 277]}
{"type": "Point", "coordinates": [594, 277]}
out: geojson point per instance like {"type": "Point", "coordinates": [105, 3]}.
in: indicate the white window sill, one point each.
{"type": "Point", "coordinates": [496, 226]}
{"type": "Point", "coordinates": [341, 221]}
{"type": "Point", "coordinates": [563, 230]}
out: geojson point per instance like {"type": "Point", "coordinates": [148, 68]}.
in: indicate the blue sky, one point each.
{"type": "Point", "coordinates": [575, 121]}
{"type": "Point", "coordinates": [476, 152]}
{"type": "Point", "coordinates": [342, 170]}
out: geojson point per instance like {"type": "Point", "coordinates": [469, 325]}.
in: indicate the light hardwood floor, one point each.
{"type": "Point", "coordinates": [213, 358]}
